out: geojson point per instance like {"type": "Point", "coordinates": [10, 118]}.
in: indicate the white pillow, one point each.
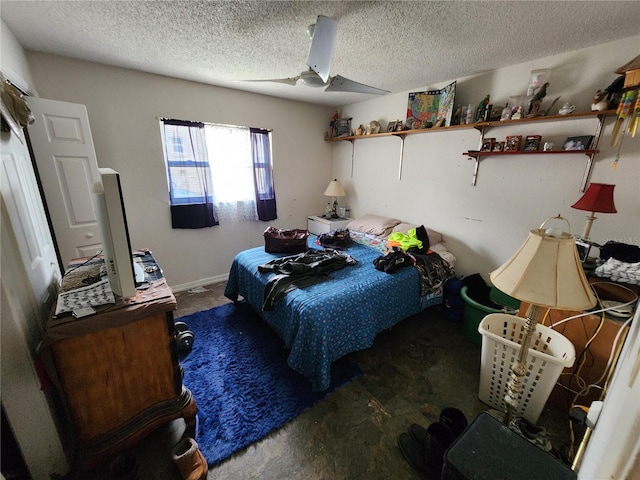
{"type": "Point", "coordinates": [373, 224]}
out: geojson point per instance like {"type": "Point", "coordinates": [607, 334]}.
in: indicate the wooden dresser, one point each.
{"type": "Point", "coordinates": [117, 371]}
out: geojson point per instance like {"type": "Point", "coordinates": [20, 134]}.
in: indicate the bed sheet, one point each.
{"type": "Point", "coordinates": [342, 314]}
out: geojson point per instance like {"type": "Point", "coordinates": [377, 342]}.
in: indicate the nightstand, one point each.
{"type": "Point", "coordinates": [318, 225]}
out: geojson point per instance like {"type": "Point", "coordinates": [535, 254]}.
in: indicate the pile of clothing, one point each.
{"type": "Point", "coordinates": [301, 270]}
{"type": "Point", "coordinates": [412, 249]}
{"type": "Point", "coordinates": [622, 263]}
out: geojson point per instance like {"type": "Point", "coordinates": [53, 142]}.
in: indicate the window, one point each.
{"type": "Point", "coordinates": [217, 173]}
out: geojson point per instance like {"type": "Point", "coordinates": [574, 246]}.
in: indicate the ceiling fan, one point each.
{"type": "Point", "coordinates": [323, 39]}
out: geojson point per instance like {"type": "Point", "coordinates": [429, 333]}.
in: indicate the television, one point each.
{"type": "Point", "coordinates": [116, 245]}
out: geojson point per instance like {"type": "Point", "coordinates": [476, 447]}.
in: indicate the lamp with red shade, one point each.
{"type": "Point", "coordinates": [597, 198]}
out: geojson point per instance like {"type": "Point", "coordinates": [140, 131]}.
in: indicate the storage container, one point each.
{"type": "Point", "coordinates": [473, 314]}
{"type": "Point", "coordinates": [549, 353]}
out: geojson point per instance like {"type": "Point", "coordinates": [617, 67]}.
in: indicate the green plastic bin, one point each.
{"type": "Point", "coordinates": [473, 314]}
{"type": "Point", "coordinates": [501, 298]}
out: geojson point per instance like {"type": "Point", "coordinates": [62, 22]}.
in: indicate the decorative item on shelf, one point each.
{"type": "Point", "coordinates": [517, 115]}
{"type": "Point", "coordinates": [487, 113]}
{"type": "Point", "coordinates": [578, 143]}
{"type": "Point", "coordinates": [457, 115]}
{"type": "Point", "coordinates": [416, 125]}
{"type": "Point", "coordinates": [512, 143]}
{"type": "Point", "coordinates": [333, 123]}
{"type": "Point", "coordinates": [506, 113]}
{"type": "Point", "coordinates": [467, 114]}
{"type": "Point", "coordinates": [482, 107]}
{"type": "Point", "coordinates": [431, 105]}
{"type": "Point", "coordinates": [427, 124]}
{"type": "Point", "coordinates": [342, 127]}
{"type": "Point", "coordinates": [335, 190]}
{"type": "Point", "coordinates": [487, 144]}
{"type": "Point", "coordinates": [516, 101]}
{"type": "Point", "coordinates": [599, 102]}
{"type": "Point", "coordinates": [532, 143]}
{"type": "Point", "coordinates": [536, 101]}
{"type": "Point", "coordinates": [548, 146]}
{"type": "Point", "coordinates": [597, 198]}
{"type": "Point", "coordinates": [399, 126]}
{"type": "Point", "coordinates": [498, 147]}
{"type": "Point", "coordinates": [614, 91]}
{"type": "Point", "coordinates": [629, 111]}
{"type": "Point", "coordinates": [360, 130]}
{"type": "Point", "coordinates": [391, 126]}
{"type": "Point", "coordinates": [631, 72]}
{"type": "Point", "coordinates": [544, 272]}
{"type": "Point", "coordinates": [566, 109]}
{"type": "Point", "coordinates": [373, 127]}
{"type": "Point", "coordinates": [537, 79]}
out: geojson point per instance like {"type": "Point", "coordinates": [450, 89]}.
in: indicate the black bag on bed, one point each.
{"type": "Point", "coordinates": [339, 239]}
{"type": "Point", "coordinates": [285, 241]}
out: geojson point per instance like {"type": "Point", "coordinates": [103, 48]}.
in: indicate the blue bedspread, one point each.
{"type": "Point", "coordinates": [342, 314]}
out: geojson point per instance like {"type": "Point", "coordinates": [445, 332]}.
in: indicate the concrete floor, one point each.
{"type": "Point", "coordinates": [414, 370]}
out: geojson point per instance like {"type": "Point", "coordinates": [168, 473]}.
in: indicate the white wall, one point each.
{"type": "Point", "coordinates": [484, 224]}
{"type": "Point", "coordinates": [124, 107]}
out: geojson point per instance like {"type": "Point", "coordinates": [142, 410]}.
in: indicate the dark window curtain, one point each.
{"type": "Point", "coordinates": [262, 174]}
{"type": "Point", "coordinates": [190, 207]}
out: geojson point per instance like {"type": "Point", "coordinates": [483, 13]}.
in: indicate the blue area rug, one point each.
{"type": "Point", "coordinates": [238, 374]}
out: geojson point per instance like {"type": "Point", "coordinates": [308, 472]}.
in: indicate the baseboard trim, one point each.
{"type": "Point", "coordinates": [199, 283]}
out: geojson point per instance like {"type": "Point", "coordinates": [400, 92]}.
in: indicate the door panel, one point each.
{"type": "Point", "coordinates": [68, 168]}
{"type": "Point", "coordinates": [28, 221]}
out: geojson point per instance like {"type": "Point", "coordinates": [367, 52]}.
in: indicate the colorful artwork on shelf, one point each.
{"type": "Point", "coordinates": [431, 106]}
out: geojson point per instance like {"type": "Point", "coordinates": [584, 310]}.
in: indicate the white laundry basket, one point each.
{"type": "Point", "coordinates": [549, 353]}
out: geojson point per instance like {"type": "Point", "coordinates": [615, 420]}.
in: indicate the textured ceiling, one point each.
{"type": "Point", "coordinates": [392, 45]}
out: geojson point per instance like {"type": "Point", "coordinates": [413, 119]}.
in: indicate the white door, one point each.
{"type": "Point", "coordinates": [28, 221]}
{"type": "Point", "coordinates": [67, 165]}
{"type": "Point", "coordinates": [28, 284]}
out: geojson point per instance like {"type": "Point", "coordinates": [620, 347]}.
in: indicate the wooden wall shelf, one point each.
{"type": "Point", "coordinates": [483, 127]}
{"type": "Point", "coordinates": [476, 154]}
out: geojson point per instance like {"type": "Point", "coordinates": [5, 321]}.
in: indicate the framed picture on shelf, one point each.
{"type": "Point", "coordinates": [578, 143]}
{"type": "Point", "coordinates": [532, 143]}
{"type": "Point", "coordinates": [512, 143]}
{"type": "Point", "coordinates": [391, 127]}
{"type": "Point", "coordinates": [498, 147]}
{"type": "Point", "coordinates": [487, 144]}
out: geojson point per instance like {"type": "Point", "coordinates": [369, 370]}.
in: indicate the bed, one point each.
{"type": "Point", "coordinates": [321, 323]}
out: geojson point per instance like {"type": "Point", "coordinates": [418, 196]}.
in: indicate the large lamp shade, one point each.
{"type": "Point", "coordinates": [546, 271]}
{"type": "Point", "coordinates": [597, 198]}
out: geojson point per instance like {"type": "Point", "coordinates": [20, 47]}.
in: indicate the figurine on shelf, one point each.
{"type": "Point", "coordinates": [482, 106]}
{"type": "Point", "coordinates": [536, 101]}
{"type": "Point", "coordinates": [517, 115]}
{"type": "Point", "coordinates": [360, 130]}
{"type": "Point", "coordinates": [599, 102]}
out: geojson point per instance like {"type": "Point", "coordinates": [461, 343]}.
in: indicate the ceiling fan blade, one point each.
{"type": "Point", "coordinates": [322, 45]}
{"type": "Point", "coordinates": [288, 81]}
{"type": "Point", "coordinates": [342, 84]}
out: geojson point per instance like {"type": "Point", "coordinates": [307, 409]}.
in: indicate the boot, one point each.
{"type": "Point", "coordinates": [190, 460]}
